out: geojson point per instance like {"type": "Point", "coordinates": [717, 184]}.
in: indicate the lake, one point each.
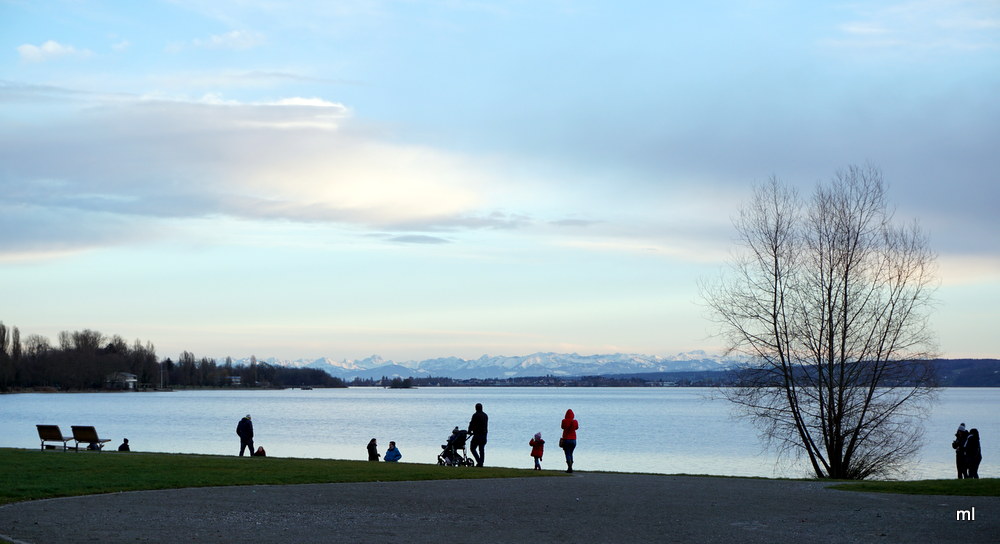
{"type": "Point", "coordinates": [654, 430]}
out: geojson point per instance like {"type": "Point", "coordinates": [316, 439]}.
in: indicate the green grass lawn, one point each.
{"type": "Point", "coordinates": [983, 487]}
{"type": "Point", "coordinates": [34, 474]}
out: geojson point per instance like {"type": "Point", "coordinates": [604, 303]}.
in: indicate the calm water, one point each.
{"type": "Point", "coordinates": [658, 430]}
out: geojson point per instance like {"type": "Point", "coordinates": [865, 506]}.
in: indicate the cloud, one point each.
{"type": "Point", "coordinates": [680, 246]}
{"type": "Point", "coordinates": [224, 79]}
{"type": "Point", "coordinates": [45, 232]}
{"type": "Point", "coordinates": [958, 269]}
{"type": "Point", "coordinates": [574, 222]}
{"type": "Point", "coordinates": [237, 40]}
{"type": "Point", "coordinates": [924, 24]}
{"type": "Point", "coordinates": [419, 239]}
{"type": "Point", "coordinates": [300, 159]}
{"type": "Point", "coordinates": [50, 50]}
{"type": "Point", "coordinates": [13, 91]}
{"type": "Point", "coordinates": [863, 28]}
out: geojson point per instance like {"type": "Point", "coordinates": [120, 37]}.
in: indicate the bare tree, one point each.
{"type": "Point", "coordinates": [36, 345]}
{"type": "Point", "coordinates": [3, 341]}
{"type": "Point", "coordinates": [15, 344]}
{"type": "Point", "coordinates": [6, 364]}
{"type": "Point", "coordinates": [830, 299]}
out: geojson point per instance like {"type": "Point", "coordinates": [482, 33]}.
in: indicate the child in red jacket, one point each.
{"type": "Point", "coordinates": [537, 449]}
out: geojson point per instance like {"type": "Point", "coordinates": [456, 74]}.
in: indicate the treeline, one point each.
{"type": "Point", "coordinates": [82, 360]}
{"type": "Point", "coordinates": [393, 383]}
{"type": "Point", "coordinates": [191, 372]}
{"type": "Point", "coordinates": [88, 360]}
{"type": "Point", "coordinates": [968, 372]}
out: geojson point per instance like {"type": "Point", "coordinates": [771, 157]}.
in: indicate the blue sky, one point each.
{"type": "Point", "coordinates": [459, 178]}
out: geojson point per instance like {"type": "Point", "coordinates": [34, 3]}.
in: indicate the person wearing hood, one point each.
{"type": "Point", "coordinates": [568, 440]}
{"type": "Point", "coordinates": [478, 427]}
{"type": "Point", "coordinates": [973, 454]}
{"type": "Point", "coordinates": [244, 429]}
{"type": "Point", "coordinates": [961, 435]}
{"type": "Point", "coordinates": [537, 449]}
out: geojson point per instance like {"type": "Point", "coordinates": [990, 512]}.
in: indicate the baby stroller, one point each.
{"type": "Point", "coordinates": [453, 453]}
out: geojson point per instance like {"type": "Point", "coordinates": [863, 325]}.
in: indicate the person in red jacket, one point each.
{"type": "Point", "coordinates": [568, 440]}
{"type": "Point", "coordinates": [537, 449]}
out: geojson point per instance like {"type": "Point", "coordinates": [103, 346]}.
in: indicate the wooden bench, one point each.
{"type": "Point", "coordinates": [88, 435]}
{"type": "Point", "coordinates": [52, 433]}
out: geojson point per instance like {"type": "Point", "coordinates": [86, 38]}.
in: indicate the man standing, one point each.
{"type": "Point", "coordinates": [245, 431]}
{"type": "Point", "coordinates": [478, 427]}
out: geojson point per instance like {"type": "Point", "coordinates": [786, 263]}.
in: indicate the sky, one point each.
{"type": "Point", "coordinates": [434, 178]}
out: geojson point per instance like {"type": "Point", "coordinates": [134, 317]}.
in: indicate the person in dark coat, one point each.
{"type": "Point", "coordinates": [373, 451]}
{"type": "Point", "coordinates": [244, 429]}
{"type": "Point", "coordinates": [124, 446]}
{"type": "Point", "coordinates": [478, 427]}
{"type": "Point", "coordinates": [959, 446]}
{"type": "Point", "coordinates": [973, 454]}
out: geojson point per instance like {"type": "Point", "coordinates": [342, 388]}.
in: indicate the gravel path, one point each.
{"type": "Point", "coordinates": [587, 507]}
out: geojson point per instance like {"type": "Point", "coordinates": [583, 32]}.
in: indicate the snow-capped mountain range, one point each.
{"type": "Point", "coordinates": [486, 367]}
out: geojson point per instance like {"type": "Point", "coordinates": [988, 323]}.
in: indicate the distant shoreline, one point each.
{"type": "Point", "coordinates": [52, 391]}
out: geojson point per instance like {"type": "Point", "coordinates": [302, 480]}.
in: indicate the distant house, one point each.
{"type": "Point", "coordinates": [121, 380]}
{"type": "Point", "coordinates": [235, 380]}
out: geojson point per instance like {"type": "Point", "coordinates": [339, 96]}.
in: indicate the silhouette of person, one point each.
{"type": "Point", "coordinates": [245, 431]}
{"type": "Point", "coordinates": [959, 446]}
{"type": "Point", "coordinates": [478, 428]}
{"type": "Point", "coordinates": [973, 454]}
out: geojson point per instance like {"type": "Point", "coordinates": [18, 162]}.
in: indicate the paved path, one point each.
{"type": "Point", "coordinates": [587, 507]}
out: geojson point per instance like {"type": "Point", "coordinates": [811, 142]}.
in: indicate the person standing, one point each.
{"type": "Point", "coordinates": [244, 429]}
{"type": "Point", "coordinates": [124, 446]}
{"type": "Point", "coordinates": [568, 441]}
{"type": "Point", "coordinates": [973, 454]}
{"type": "Point", "coordinates": [478, 428]}
{"type": "Point", "coordinates": [537, 449]}
{"type": "Point", "coordinates": [392, 454]}
{"type": "Point", "coordinates": [373, 451]}
{"type": "Point", "coordinates": [961, 435]}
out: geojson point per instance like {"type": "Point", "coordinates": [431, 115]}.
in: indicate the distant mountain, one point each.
{"type": "Point", "coordinates": [487, 367]}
